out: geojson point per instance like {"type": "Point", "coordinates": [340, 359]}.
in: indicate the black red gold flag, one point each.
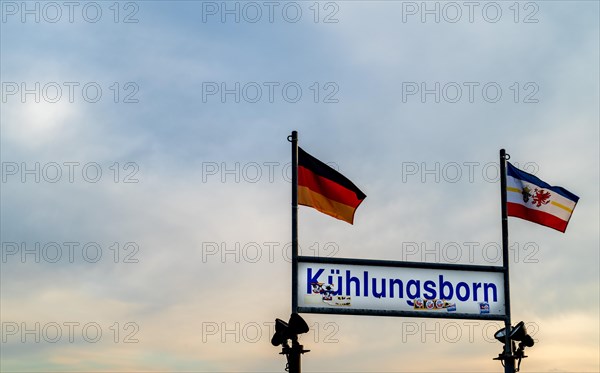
{"type": "Point", "coordinates": [325, 189]}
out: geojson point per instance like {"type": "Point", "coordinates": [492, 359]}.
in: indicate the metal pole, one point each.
{"type": "Point", "coordinates": [509, 362]}
{"type": "Point", "coordinates": [296, 350]}
{"type": "Point", "coordinates": [294, 361]}
{"type": "Point", "coordinates": [294, 140]}
{"type": "Point", "coordinates": [293, 355]}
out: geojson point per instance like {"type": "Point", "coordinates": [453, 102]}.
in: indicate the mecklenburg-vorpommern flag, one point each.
{"type": "Point", "coordinates": [325, 189]}
{"type": "Point", "coordinates": [532, 199]}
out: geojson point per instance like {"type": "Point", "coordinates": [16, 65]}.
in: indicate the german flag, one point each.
{"type": "Point", "coordinates": [325, 189]}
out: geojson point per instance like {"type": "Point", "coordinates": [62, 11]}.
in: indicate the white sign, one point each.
{"type": "Point", "coordinates": [400, 289]}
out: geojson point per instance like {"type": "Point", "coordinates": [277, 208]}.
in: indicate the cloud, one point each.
{"type": "Point", "coordinates": [209, 205]}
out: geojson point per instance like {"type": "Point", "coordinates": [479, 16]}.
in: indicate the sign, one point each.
{"type": "Point", "coordinates": [414, 289]}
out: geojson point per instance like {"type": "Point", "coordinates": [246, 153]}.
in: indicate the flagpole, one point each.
{"type": "Point", "coordinates": [295, 352]}
{"type": "Point", "coordinates": [509, 362]}
{"type": "Point", "coordinates": [294, 140]}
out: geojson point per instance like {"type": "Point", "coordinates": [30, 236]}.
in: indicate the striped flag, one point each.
{"type": "Point", "coordinates": [532, 199]}
{"type": "Point", "coordinates": [325, 189]}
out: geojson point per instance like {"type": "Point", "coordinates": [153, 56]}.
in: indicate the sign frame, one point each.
{"type": "Point", "coordinates": [399, 264]}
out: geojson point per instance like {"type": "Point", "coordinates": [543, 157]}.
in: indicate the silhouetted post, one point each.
{"type": "Point", "coordinates": [509, 362]}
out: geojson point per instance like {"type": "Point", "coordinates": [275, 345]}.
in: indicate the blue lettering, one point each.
{"type": "Point", "coordinates": [375, 293]}
{"type": "Point", "coordinates": [311, 278]}
{"type": "Point", "coordinates": [351, 279]}
{"type": "Point", "coordinates": [485, 292]}
{"type": "Point", "coordinates": [346, 283]}
{"type": "Point", "coordinates": [430, 292]}
{"type": "Point", "coordinates": [463, 286]}
{"type": "Point", "coordinates": [400, 288]}
{"type": "Point", "coordinates": [476, 285]}
{"type": "Point", "coordinates": [417, 285]}
{"type": "Point", "coordinates": [338, 285]}
{"type": "Point", "coordinates": [444, 285]}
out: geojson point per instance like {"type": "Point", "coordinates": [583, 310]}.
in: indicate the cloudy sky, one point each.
{"type": "Point", "coordinates": [145, 197]}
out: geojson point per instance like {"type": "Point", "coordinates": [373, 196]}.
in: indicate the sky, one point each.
{"type": "Point", "coordinates": [145, 194]}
